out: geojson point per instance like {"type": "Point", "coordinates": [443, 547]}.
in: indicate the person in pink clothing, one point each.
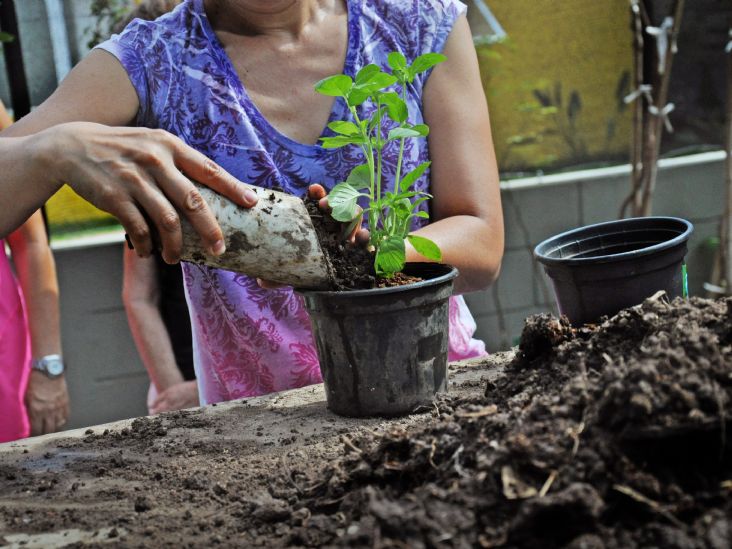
{"type": "Point", "coordinates": [33, 394]}
{"type": "Point", "coordinates": [33, 401]}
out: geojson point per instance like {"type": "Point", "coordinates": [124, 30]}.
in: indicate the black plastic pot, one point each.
{"type": "Point", "coordinates": [600, 269]}
{"type": "Point", "coordinates": [383, 352]}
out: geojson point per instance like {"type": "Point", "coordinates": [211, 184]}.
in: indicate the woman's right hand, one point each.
{"type": "Point", "coordinates": [141, 176]}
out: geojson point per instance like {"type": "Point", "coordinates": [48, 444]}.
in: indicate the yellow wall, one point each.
{"type": "Point", "coordinates": [68, 212]}
{"type": "Point", "coordinates": [558, 47]}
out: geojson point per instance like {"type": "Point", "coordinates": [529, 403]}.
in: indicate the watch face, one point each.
{"type": "Point", "coordinates": [55, 367]}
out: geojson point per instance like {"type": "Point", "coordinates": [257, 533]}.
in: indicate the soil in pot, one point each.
{"type": "Point", "coordinates": [352, 267]}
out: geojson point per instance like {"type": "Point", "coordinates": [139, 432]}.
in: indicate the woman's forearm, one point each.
{"type": "Point", "coordinates": [469, 243]}
{"type": "Point", "coordinates": [27, 179]}
{"type": "Point", "coordinates": [153, 343]}
{"type": "Point", "coordinates": [141, 297]}
{"type": "Point", "coordinates": [36, 270]}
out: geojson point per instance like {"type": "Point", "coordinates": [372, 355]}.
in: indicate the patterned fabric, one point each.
{"type": "Point", "coordinates": [249, 341]}
{"type": "Point", "coordinates": [15, 355]}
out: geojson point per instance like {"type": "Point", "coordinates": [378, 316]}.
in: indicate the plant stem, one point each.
{"type": "Point", "coordinates": [398, 175]}
{"type": "Point", "coordinates": [369, 154]}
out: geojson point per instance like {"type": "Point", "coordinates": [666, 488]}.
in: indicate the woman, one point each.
{"type": "Point", "coordinates": [33, 401]}
{"type": "Point", "coordinates": [234, 80]}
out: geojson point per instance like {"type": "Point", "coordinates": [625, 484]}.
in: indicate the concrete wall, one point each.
{"type": "Point", "coordinates": [107, 380]}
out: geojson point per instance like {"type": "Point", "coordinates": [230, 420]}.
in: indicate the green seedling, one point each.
{"type": "Point", "coordinates": [389, 213]}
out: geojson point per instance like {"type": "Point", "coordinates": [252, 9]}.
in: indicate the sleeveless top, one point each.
{"type": "Point", "coordinates": [248, 341]}
{"type": "Point", "coordinates": [15, 355]}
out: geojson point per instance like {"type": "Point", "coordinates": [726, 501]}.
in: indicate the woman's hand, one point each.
{"type": "Point", "coordinates": [176, 397]}
{"type": "Point", "coordinates": [357, 235]}
{"type": "Point", "coordinates": [142, 177]}
{"type": "Point", "coordinates": [47, 402]}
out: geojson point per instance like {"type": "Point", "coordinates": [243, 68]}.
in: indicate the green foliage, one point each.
{"type": "Point", "coordinates": [6, 37]}
{"type": "Point", "coordinates": [389, 215]}
{"type": "Point", "coordinates": [106, 14]}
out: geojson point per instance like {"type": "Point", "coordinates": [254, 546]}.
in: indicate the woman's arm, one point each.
{"type": "Point", "coordinates": [466, 209]}
{"type": "Point", "coordinates": [133, 173]}
{"type": "Point", "coordinates": [46, 398]}
{"type": "Point", "coordinates": [141, 297]}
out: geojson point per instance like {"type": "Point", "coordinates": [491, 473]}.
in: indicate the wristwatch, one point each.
{"type": "Point", "coordinates": [51, 365]}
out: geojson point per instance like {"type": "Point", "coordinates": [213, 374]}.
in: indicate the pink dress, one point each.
{"type": "Point", "coordinates": [15, 355]}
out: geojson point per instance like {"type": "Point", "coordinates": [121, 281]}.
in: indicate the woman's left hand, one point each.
{"type": "Point", "coordinates": [47, 402]}
{"type": "Point", "coordinates": [176, 397]}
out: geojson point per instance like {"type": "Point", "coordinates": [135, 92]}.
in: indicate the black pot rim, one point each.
{"type": "Point", "coordinates": [450, 273]}
{"type": "Point", "coordinates": [540, 249]}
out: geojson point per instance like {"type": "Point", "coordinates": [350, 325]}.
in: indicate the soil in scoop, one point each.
{"type": "Point", "coordinates": [611, 436]}
{"type": "Point", "coordinates": [352, 267]}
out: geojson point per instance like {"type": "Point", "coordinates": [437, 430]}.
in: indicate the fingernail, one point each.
{"type": "Point", "coordinates": [218, 248]}
{"type": "Point", "coordinates": [250, 197]}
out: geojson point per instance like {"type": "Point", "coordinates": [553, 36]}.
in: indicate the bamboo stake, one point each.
{"type": "Point", "coordinates": [657, 121]}
{"type": "Point", "coordinates": [633, 199]}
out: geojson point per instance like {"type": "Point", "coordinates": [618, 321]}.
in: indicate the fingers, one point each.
{"type": "Point", "coordinates": [136, 227]}
{"type": "Point", "coordinates": [205, 171]}
{"type": "Point", "coordinates": [269, 285]}
{"type": "Point", "coordinates": [361, 236]}
{"type": "Point", "coordinates": [163, 215]}
{"type": "Point", "coordinates": [316, 192]}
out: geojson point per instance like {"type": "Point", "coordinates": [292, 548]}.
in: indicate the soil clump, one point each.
{"type": "Point", "coordinates": [612, 435]}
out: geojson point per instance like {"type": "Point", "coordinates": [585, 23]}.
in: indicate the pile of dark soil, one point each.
{"type": "Point", "coordinates": [608, 436]}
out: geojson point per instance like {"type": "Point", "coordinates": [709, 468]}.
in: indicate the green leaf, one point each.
{"type": "Point", "coordinates": [425, 247]}
{"type": "Point", "coordinates": [426, 62]}
{"type": "Point", "coordinates": [365, 74]}
{"type": "Point", "coordinates": [391, 256]}
{"type": "Point", "coordinates": [360, 177]}
{"type": "Point", "coordinates": [397, 61]}
{"type": "Point", "coordinates": [342, 200]}
{"type": "Point", "coordinates": [400, 133]}
{"type": "Point", "coordinates": [420, 200]}
{"type": "Point", "coordinates": [6, 37]}
{"type": "Point", "coordinates": [396, 108]}
{"type": "Point", "coordinates": [422, 214]}
{"type": "Point", "coordinates": [340, 141]}
{"type": "Point", "coordinates": [423, 129]}
{"type": "Point", "coordinates": [335, 86]}
{"type": "Point", "coordinates": [377, 82]}
{"type": "Point", "coordinates": [409, 179]}
{"type": "Point", "coordinates": [357, 96]}
{"type": "Point", "coordinates": [345, 128]}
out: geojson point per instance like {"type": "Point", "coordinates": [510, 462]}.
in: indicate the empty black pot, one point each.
{"type": "Point", "coordinates": [383, 352]}
{"type": "Point", "coordinates": [600, 269]}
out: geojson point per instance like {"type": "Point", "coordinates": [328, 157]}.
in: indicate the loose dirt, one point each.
{"type": "Point", "coordinates": [612, 436]}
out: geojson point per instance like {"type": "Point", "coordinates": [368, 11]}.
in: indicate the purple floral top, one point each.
{"type": "Point", "coordinates": [249, 341]}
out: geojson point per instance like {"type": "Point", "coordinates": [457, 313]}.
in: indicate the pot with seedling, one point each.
{"type": "Point", "coordinates": [383, 350]}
